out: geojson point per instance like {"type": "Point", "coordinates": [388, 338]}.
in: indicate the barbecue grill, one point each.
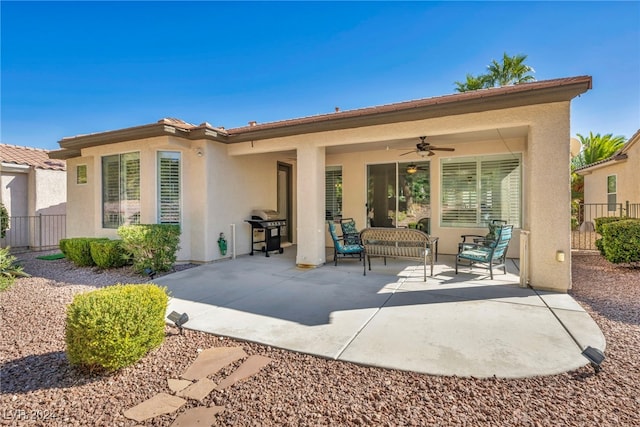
{"type": "Point", "coordinates": [266, 230]}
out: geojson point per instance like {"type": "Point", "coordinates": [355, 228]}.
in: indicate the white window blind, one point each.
{"type": "Point", "coordinates": [120, 190]}
{"type": "Point", "coordinates": [168, 187]}
{"type": "Point", "coordinates": [333, 192]}
{"type": "Point", "coordinates": [480, 189]}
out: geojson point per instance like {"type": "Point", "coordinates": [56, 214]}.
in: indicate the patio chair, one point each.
{"type": "Point", "coordinates": [340, 248]}
{"type": "Point", "coordinates": [424, 224]}
{"type": "Point", "coordinates": [350, 233]}
{"type": "Point", "coordinates": [489, 256]}
{"type": "Point", "coordinates": [487, 239]}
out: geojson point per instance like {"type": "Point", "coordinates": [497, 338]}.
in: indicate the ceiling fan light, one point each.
{"type": "Point", "coordinates": [411, 169]}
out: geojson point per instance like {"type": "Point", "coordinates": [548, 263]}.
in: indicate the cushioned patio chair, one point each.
{"type": "Point", "coordinates": [490, 255]}
{"type": "Point", "coordinates": [487, 239]}
{"type": "Point", "coordinates": [424, 224]}
{"type": "Point", "coordinates": [340, 247]}
{"type": "Point", "coordinates": [350, 233]}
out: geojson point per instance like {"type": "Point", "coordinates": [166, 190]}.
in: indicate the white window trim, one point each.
{"type": "Point", "coordinates": [480, 222]}
{"type": "Point", "coordinates": [181, 188]}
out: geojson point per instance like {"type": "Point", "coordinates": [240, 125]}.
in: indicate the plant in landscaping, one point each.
{"type": "Point", "coordinates": [4, 220]}
{"type": "Point", "coordinates": [621, 241]}
{"type": "Point", "coordinates": [152, 246]}
{"type": "Point", "coordinates": [78, 249]}
{"type": "Point", "coordinates": [108, 253]}
{"type": "Point", "coordinates": [8, 269]}
{"type": "Point", "coordinates": [116, 326]}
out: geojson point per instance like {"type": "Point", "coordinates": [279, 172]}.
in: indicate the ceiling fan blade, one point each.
{"type": "Point", "coordinates": [408, 152]}
{"type": "Point", "coordinates": [442, 148]}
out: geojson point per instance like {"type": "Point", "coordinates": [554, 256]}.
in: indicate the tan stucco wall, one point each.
{"type": "Point", "coordinates": [50, 195]}
{"type": "Point", "coordinates": [547, 184]}
{"type": "Point", "coordinates": [15, 187]}
{"type": "Point", "coordinates": [628, 184]}
{"type": "Point", "coordinates": [81, 199]}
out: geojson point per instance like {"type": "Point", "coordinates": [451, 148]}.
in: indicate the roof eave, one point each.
{"type": "Point", "coordinates": [482, 100]}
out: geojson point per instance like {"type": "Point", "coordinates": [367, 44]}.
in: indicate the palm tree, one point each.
{"type": "Point", "coordinates": [596, 148]}
{"type": "Point", "coordinates": [513, 70]}
{"type": "Point", "coordinates": [472, 83]}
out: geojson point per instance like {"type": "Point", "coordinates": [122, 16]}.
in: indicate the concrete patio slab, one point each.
{"type": "Point", "coordinates": [464, 324]}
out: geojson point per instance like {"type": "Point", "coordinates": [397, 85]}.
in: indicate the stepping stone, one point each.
{"type": "Point", "coordinates": [177, 385]}
{"type": "Point", "coordinates": [211, 360]}
{"type": "Point", "coordinates": [251, 366]}
{"type": "Point", "coordinates": [198, 390]}
{"type": "Point", "coordinates": [200, 416]}
{"type": "Point", "coordinates": [159, 404]}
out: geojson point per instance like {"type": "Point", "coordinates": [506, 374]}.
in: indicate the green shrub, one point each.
{"type": "Point", "coordinates": [115, 326]}
{"type": "Point", "coordinates": [108, 253]}
{"type": "Point", "coordinates": [63, 247]}
{"type": "Point", "coordinates": [152, 246]}
{"type": "Point", "coordinates": [4, 220]}
{"type": "Point", "coordinates": [621, 241]}
{"type": "Point", "coordinates": [9, 270]}
{"type": "Point", "coordinates": [600, 246]}
{"type": "Point", "coordinates": [606, 220]}
{"type": "Point", "coordinates": [78, 250]}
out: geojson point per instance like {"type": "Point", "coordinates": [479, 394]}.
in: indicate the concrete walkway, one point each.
{"type": "Point", "coordinates": [464, 325]}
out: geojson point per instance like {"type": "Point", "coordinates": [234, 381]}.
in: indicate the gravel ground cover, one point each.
{"type": "Point", "coordinates": [38, 387]}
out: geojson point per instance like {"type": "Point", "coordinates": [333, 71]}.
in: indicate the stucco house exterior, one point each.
{"type": "Point", "coordinates": [613, 182]}
{"type": "Point", "coordinates": [510, 160]}
{"type": "Point", "coordinates": [32, 185]}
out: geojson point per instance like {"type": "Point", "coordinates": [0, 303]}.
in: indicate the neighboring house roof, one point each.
{"type": "Point", "coordinates": [619, 155]}
{"type": "Point", "coordinates": [29, 156]}
{"type": "Point", "coordinates": [523, 94]}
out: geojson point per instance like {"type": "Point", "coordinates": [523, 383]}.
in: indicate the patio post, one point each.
{"type": "Point", "coordinates": [310, 203]}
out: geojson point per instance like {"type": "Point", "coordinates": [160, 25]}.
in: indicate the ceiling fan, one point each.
{"type": "Point", "coordinates": [423, 148]}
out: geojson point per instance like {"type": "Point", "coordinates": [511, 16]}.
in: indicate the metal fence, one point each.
{"type": "Point", "coordinates": [34, 233]}
{"type": "Point", "coordinates": [583, 233]}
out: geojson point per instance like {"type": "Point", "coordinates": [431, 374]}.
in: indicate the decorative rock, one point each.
{"type": "Point", "coordinates": [176, 385]}
{"type": "Point", "coordinates": [159, 404]}
{"type": "Point", "coordinates": [211, 360]}
{"type": "Point", "coordinates": [251, 366]}
{"type": "Point", "coordinates": [198, 390]}
{"type": "Point", "coordinates": [200, 416]}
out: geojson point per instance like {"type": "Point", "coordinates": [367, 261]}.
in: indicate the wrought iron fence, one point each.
{"type": "Point", "coordinates": [34, 233]}
{"type": "Point", "coordinates": [583, 233]}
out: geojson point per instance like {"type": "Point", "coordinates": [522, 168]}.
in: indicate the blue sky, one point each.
{"type": "Point", "coordinates": [70, 68]}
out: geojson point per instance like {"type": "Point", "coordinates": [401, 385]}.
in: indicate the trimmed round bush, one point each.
{"type": "Point", "coordinates": [108, 253]}
{"type": "Point", "coordinates": [116, 326]}
{"type": "Point", "coordinates": [78, 250]}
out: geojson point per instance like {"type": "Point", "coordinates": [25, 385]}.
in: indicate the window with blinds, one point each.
{"type": "Point", "coordinates": [333, 192]}
{"type": "Point", "coordinates": [477, 190]}
{"type": "Point", "coordinates": [168, 187]}
{"type": "Point", "coordinates": [120, 190]}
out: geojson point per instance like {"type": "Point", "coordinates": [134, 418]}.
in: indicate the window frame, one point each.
{"type": "Point", "coordinates": [330, 183]}
{"type": "Point", "coordinates": [159, 189]}
{"type": "Point", "coordinates": [612, 195]}
{"type": "Point", "coordinates": [477, 202]}
{"type": "Point", "coordinates": [84, 174]}
{"type": "Point", "coordinates": [121, 190]}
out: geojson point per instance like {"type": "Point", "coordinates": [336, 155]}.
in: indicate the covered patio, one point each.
{"type": "Point", "coordinates": [463, 325]}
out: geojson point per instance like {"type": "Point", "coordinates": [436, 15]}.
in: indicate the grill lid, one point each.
{"type": "Point", "coordinates": [264, 214]}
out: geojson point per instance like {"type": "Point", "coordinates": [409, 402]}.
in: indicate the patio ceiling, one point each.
{"type": "Point", "coordinates": [437, 140]}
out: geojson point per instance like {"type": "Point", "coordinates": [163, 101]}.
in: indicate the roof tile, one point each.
{"type": "Point", "coordinates": [29, 156]}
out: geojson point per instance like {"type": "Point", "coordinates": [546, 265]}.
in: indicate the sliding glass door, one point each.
{"type": "Point", "coordinates": [398, 194]}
